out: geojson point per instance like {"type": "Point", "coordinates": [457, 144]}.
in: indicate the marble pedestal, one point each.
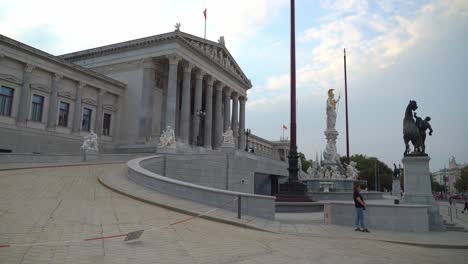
{"type": "Point", "coordinates": [396, 188]}
{"type": "Point", "coordinates": [326, 186]}
{"type": "Point", "coordinates": [417, 184]}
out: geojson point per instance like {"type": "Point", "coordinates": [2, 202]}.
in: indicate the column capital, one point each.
{"type": "Point", "coordinates": [101, 91]}
{"type": "Point", "coordinates": [219, 86]}
{"type": "Point", "coordinates": [58, 77]}
{"type": "Point", "coordinates": [173, 58]}
{"type": "Point", "coordinates": [148, 63]}
{"type": "Point", "coordinates": [227, 91]}
{"type": "Point", "coordinates": [29, 67]}
{"type": "Point", "coordinates": [188, 67]}
{"type": "Point", "coordinates": [235, 96]}
{"type": "Point", "coordinates": [210, 80]}
{"type": "Point", "coordinates": [199, 73]}
{"type": "Point", "coordinates": [242, 99]}
{"type": "Point", "coordinates": [81, 85]}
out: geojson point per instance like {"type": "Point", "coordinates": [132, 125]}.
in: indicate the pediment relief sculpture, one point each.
{"type": "Point", "coordinates": [10, 78]}
{"type": "Point", "coordinates": [40, 87]}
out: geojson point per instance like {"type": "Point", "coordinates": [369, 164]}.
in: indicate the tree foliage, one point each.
{"type": "Point", "coordinates": [369, 168]}
{"type": "Point", "coordinates": [462, 183]}
{"type": "Point", "coordinates": [304, 162]}
{"type": "Point", "coordinates": [436, 187]}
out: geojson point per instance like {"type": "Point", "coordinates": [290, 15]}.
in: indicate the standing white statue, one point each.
{"type": "Point", "coordinates": [351, 171]}
{"type": "Point", "coordinates": [90, 142]}
{"type": "Point", "coordinates": [167, 138]}
{"type": "Point", "coordinates": [331, 110]}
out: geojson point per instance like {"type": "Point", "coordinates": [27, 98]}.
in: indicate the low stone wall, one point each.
{"type": "Point", "coordinates": [398, 217]}
{"type": "Point", "coordinates": [345, 196]}
{"type": "Point", "coordinates": [6, 158]}
{"type": "Point", "coordinates": [253, 205]}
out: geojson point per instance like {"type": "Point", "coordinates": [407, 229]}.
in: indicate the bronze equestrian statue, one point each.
{"type": "Point", "coordinates": [415, 131]}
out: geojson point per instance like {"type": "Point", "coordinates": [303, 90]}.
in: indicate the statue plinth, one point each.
{"type": "Point", "coordinates": [417, 184]}
{"type": "Point", "coordinates": [396, 187]}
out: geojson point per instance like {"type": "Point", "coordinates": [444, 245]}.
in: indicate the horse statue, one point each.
{"type": "Point", "coordinates": [411, 130]}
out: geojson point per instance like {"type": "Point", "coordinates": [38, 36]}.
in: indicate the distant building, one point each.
{"type": "Point", "coordinates": [448, 177]}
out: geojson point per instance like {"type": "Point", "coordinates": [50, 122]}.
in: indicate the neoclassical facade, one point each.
{"type": "Point", "coordinates": [128, 93]}
{"type": "Point", "coordinates": [175, 80]}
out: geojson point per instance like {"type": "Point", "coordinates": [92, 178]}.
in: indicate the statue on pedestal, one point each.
{"type": "Point", "coordinates": [415, 131]}
{"type": "Point", "coordinates": [396, 172]}
{"type": "Point", "coordinates": [228, 136]}
{"type": "Point", "coordinates": [331, 110]}
{"type": "Point", "coordinates": [90, 142]}
{"type": "Point", "coordinates": [167, 138]}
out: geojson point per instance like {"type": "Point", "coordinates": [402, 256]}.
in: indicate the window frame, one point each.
{"type": "Point", "coordinates": [109, 129]}
{"type": "Point", "coordinates": [60, 114]}
{"type": "Point", "coordinates": [34, 107]}
{"type": "Point", "coordinates": [5, 98]}
{"type": "Point", "coordinates": [89, 119]}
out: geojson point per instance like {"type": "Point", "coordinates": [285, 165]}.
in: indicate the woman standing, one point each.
{"type": "Point", "coordinates": [360, 207]}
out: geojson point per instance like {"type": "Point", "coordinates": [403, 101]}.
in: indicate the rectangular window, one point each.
{"type": "Point", "coordinates": [63, 114]}
{"type": "Point", "coordinates": [86, 123]}
{"type": "Point", "coordinates": [6, 100]}
{"type": "Point", "coordinates": [106, 124]}
{"type": "Point", "coordinates": [37, 107]}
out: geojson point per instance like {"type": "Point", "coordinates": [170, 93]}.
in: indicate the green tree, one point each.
{"type": "Point", "coordinates": [304, 162]}
{"type": "Point", "coordinates": [369, 167]}
{"type": "Point", "coordinates": [462, 183]}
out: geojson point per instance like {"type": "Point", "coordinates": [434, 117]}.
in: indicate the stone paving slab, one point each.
{"type": "Point", "coordinates": [68, 203]}
{"type": "Point", "coordinates": [315, 227]}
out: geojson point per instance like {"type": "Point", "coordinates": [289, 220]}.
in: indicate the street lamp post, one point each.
{"type": "Point", "coordinates": [247, 132]}
{"type": "Point", "coordinates": [201, 114]}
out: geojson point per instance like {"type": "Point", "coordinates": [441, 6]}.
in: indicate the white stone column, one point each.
{"type": "Point", "coordinates": [99, 113]}
{"type": "Point", "coordinates": [197, 105]}
{"type": "Point", "coordinates": [242, 101]}
{"type": "Point", "coordinates": [235, 117]}
{"type": "Point", "coordinates": [185, 108]}
{"type": "Point", "coordinates": [209, 112]}
{"type": "Point", "coordinates": [227, 109]}
{"type": "Point", "coordinates": [53, 103]}
{"type": "Point", "coordinates": [218, 116]}
{"type": "Point", "coordinates": [116, 119]}
{"type": "Point", "coordinates": [77, 110]}
{"type": "Point", "coordinates": [171, 94]}
{"type": "Point", "coordinates": [147, 100]}
{"type": "Point", "coordinates": [24, 104]}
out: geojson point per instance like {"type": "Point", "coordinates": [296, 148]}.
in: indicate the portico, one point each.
{"type": "Point", "coordinates": [189, 84]}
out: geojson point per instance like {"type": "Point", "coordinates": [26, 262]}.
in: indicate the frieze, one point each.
{"type": "Point", "coordinates": [220, 56]}
{"type": "Point", "coordinates": [40, 87]}
{"type": "Point", "coordinates": [10, 78]}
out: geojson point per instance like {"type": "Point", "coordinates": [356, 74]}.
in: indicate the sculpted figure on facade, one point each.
{"type": "Point", "coordinates": [228, 136]}
{"type": "Point", "coordinates": [167, 138]}
{"type": "Point", "coordinates": [90, 142]}
{"type": "Point", "coordinates": [331, 109]}
{"type": "Point", "coordinates": [177, 27]}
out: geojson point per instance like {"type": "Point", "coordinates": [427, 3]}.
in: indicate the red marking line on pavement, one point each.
{"type": "Point", "coordinates": [1, 246]}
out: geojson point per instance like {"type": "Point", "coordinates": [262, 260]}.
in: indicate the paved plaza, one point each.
{"type": "Point", "coordinates": [46, 205]}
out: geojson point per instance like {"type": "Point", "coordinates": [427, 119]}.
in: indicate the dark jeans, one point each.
{"type": "Point", "coordinates": [360, 218]}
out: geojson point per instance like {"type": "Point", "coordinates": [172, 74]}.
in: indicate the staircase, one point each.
{"type": "Point", "coordinates": [454, 227]}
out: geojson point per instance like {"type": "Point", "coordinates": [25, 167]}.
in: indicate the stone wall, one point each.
{"type": "Point", "coordinates": [253, 205]}
{"type": "Point", "coordinates": [401, 218]}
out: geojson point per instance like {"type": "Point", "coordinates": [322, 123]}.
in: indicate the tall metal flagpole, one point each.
{"type": "Point", "coordinates": [204, 14]}
{"type": "Point", "coordinates": [346, 106]}
{"type": "Point", "coordinates": [293, 157]}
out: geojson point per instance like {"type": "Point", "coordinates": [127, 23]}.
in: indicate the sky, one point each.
{"type": "Point", "coordinates": [397, 50]}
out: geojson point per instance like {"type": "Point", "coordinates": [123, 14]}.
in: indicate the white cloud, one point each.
{"type": "Point", "coordinates": [90, 23]}
{"type": "Point", "coordinates": [391, 35]}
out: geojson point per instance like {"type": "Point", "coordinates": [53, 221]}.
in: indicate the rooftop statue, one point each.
{"type": "Point", "coordinates": [177, 27]}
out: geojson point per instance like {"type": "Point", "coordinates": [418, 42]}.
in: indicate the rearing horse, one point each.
{"type": "Point", "coordinates": [410, 130]}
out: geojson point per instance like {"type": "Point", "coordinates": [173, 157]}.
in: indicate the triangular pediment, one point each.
{"type": "Point", "coordinates": [218, 53]}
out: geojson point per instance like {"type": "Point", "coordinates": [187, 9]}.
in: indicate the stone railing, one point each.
{"type": "Point", "coordinates": [250, 204]}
